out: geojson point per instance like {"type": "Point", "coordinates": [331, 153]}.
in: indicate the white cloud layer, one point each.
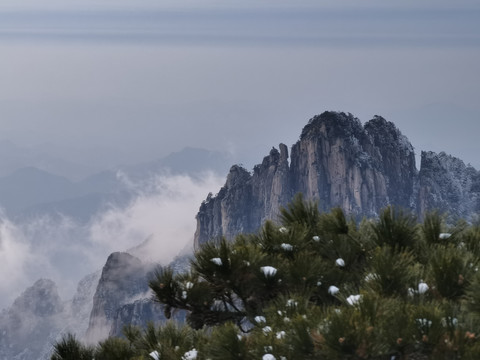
{"type": "Point", "coordinates": [15, 256]}
{"type": "Point", "coordinates": [59, 248]}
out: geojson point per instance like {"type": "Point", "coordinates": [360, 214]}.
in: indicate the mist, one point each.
{"type": "Point", "coordinates": [59, 248]}
{"type": "Point", "coordinates": [236, 77]}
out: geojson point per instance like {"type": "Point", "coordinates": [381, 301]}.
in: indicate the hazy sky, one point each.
{"type": "Point", "coordinates": [236, 76]}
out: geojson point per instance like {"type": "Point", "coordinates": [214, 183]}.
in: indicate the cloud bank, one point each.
{"type": "Point", "coordinates": [161, 217]}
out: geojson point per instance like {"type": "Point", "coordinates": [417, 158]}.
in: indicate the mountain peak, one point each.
{"type": "Point", "coordinates": [123, 277]}
{"type": "Point", "coordinates": [333, 124]}
{"type": "Point", "coordinates": [41, 299]}
{"type": "Point", "coordinates": [340, 163]}
{"type": "Point", "coordinates": [385, 133]}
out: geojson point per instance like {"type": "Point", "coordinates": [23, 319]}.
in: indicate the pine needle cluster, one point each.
{"type": "Point", "coordinates": [320, 286]}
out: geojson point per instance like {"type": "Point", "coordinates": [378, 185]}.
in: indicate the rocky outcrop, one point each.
{"type": "Point", "coordinates": [123, 280]}
{"type": "Point", "coordinates": [396, 159]}
{"type": "Point", "coordinates": [38, 318]}
{"type": "Point", "coordinates": [144, 310]}
{"type": "Point", "coordinates": [336, 163]}
{"type": "Point", "coordinates": [247, 199]}
{"type": "Point", "coordinates": [271, 184]}
{"type": "Point", "coordinates": [340, 162]}
{"type": "Point", "coordinates": [29, 326]}
{"type": "Point", "coordinates": [104, 303]}
{"type": "Point", "coordinates": [82, 303]}
{"type": "Point", "coordinates": [448, 185]}
{"type": "Point", "coordinates": [140, 313]}
{"type": "Point", "coordinates": [40, 300]}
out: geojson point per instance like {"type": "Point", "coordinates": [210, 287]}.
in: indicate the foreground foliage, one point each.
{"type": "Point", "coordinates": [318, 286]}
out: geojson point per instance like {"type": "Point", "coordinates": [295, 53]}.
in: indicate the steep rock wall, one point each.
{"type": "Point", "coordinates": [246, 200]}
{"type": "Point", "coordinates": [396, 160]}
{"type": "Point", "coordinates": [448, 185]}
{"type": "Point", "coordinates": [30, 325]}
{"type": "Point", "coordinates": [333, 162]}
{"type": "Point", "coordinates": [123, 279]}
{"type": "Point", "coordinates": [339, 162]}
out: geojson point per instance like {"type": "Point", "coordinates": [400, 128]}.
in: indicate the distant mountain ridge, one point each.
{"type": "Point", "coordinates": [38, 317]}
{"type": "Point", "coordinates": [30, 190]}
{"type": "Point", "coordinates": [341, 163]}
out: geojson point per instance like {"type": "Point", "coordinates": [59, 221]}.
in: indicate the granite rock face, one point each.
{"type": "Point", "coordinates": [336, 163]}
{"type": "Point", "coordinates": [39, 317]}
{"type": "Point", "coordinates": [82, 303]}
{"type": "Point", "coordinates": [140, 313]}
{"type": "Point", "coordinates": [397, 161]}
{"type": "Point", "coordinates": [122, 297]}
{"type": "Point", "coordinates": [29, 326]}
{"type": "Point", "coordinates": [340, 163]}
{"type": "Point", "coordinates": [142, 310]}
{"type": "Point", "coordinates": [104, 303]}
{"type": "Point", "coordinates": [246, 200]}
{"type": "Point", "coordinates": [448, 185]}
{"type": "Point", "coordinates": [123, 279]}
{"type": "Point", "coordinates": [137, 313]}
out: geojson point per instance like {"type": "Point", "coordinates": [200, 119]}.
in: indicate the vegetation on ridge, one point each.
{"type": "Point", "coordinates": [318, 286]}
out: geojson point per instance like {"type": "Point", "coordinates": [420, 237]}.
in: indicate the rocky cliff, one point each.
{"type": "Point", "coordinates": [30, 326]}
{"type": "Point", "coordinates": [122, 297]}
{"type": "Point", "coordinates": [340, 162]}
{"type": "Point", "coordinates": [247, 199]}
{"type": "Point", "coordinates": [447, 184]}
{"type": "Point", "coordinates": [39, 317]}
{"type": "Point", "coordinates": [104, 303]}
{"type": "Point", "coordinates": [142, 309]}
{"type": "Point", "coordinates": [123, 279]}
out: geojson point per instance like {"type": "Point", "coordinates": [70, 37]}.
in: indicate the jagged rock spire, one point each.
{"type": "Point", "coordinates": [338, 162]}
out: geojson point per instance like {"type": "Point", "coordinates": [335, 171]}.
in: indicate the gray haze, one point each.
{"type": "Point", "coordinates": [136, 83]}
{"type": "Point", "coordinates": [94, 85]}
{"type": "Point", "coordinates": [160, 216]}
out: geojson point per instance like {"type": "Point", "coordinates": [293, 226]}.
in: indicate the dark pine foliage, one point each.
{"type": "Point", "coordinates": [320, 286]}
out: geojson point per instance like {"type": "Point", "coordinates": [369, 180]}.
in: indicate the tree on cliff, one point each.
{"type": "Point", "coordinates": [319, 286]}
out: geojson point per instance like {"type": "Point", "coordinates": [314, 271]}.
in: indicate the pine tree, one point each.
{"type": "Point", "coordinates": [318, 285]}
{"type": "Point", "coordinates": [69, 348]}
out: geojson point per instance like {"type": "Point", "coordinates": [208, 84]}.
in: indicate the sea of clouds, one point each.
{"type": "Point", "coordinates": [160, 217]}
